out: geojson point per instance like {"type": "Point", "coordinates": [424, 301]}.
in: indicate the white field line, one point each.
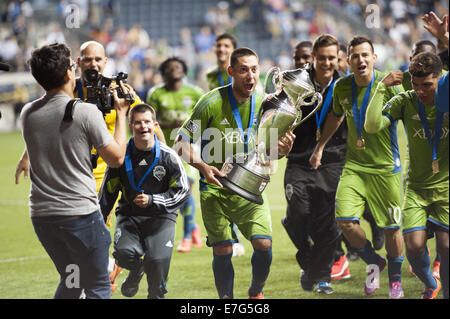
{"type": "Point", "coordinates": [13, 260]}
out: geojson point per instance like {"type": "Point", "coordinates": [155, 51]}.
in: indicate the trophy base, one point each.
{"type": "Point", "coordinates": [254, 198]}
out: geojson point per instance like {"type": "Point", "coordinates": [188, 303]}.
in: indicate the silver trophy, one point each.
{"type": "Point", "coordinates": [247, 174]}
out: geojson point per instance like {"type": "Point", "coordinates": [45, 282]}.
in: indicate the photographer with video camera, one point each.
{"type": "Point", "coordinates": [59, 133]}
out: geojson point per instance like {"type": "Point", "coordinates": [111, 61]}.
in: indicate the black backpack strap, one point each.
{"type": "Point", "coordinates": [68, 113]}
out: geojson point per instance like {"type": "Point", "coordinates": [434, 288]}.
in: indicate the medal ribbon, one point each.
{"type": "Point", "coordinates": [129, 166]}
{"type": "Point", "coordinates": [219, 75]}
{"type": "Point", "coordinates": [434, 144]}
{"type": "Point", "coordinates": [325, 106]}
{"type": "Point", "coordinates": [237, 115]}
{"type": "Point", "coordinates": [360, 116]}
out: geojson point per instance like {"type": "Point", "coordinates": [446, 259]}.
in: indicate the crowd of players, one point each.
{"type": "Point", "coordinates": [362, 180]}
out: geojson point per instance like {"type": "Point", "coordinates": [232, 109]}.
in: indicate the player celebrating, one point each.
{"type": "Point", "coordinates": [223, 112]}
{"type": "Point", "coordinates": [225, 44]}
{"type": "Point", "coordinates": [371, 173]}
{"type": "Point", "coordinates": [173, 101]}
{"type": "Point", "coordinates": [427, 191]}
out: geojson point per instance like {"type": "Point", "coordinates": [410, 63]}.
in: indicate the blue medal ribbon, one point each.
{"type": "Point", "coordinates": [237, 116]}
{"type": "Point", "coordinates": [434, 144]}
{"type": "Point", "coordinates": [325, 106]}
{"type": "Point", "coordinates": [219, 75]}
{"type": "Point", "coordinates": [129, 166]}
{"type": "Point", "coordinates": [359, 116]}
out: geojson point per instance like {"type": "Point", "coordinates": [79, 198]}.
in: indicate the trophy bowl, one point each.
{"type": "Point", "coordinates": [248, 174]}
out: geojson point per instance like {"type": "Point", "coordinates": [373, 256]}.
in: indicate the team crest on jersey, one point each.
{"type": "Point", "coordinates": [117, 235]}
{"type": "Point", "coordinates": [192, 127]}
{"type": "Point", "coordinates": [345, 101]}
{"type": "Point", "coordinates": [159, 172]}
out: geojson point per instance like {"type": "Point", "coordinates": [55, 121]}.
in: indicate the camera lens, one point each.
{"type": "Point", "coordinates": [91, 75]}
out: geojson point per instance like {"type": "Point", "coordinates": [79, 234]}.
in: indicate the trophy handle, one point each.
{"type": "Point", "coordinates": [272, 79]}
{"type": "Point", "coordinates": [316, 97]}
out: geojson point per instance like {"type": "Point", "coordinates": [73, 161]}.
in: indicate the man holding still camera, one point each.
{"type": "Point", "coordinates": [64, 208]}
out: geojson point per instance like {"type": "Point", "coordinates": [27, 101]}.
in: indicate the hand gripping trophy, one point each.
{"type": "Point", "coordinates": [247, 174]}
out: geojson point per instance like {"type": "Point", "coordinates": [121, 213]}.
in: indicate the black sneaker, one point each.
{"type": "Point", "coordinates": [130, 286]}
{"type": "Point", "coordinates": [324, 287]}
{"type": "Point", "coordinates": [305, 282]}
{"type": "Point", "coordinates": [352, 255]}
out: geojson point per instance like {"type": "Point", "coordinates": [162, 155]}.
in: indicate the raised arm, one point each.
{"type": "Point", "coordinates": [375, 121]}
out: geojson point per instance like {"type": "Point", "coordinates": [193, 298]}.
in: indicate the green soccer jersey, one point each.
{"type": "Point", "coordinates": [173, 105]}
{"type": "Point", "coordinates": [381, 153]}
{"type": "Point", "coordinates": [214, 81]}
{"type": "Point", "coordinates": [213, 122]}
{"type": "Point", "coordinates": [405, 107]}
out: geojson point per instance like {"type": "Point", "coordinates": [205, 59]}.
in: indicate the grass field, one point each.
{"type": "Point", "coordinates": [27, 272]}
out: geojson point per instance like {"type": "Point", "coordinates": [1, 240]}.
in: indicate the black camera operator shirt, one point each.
{"type": "Point", "coordinates": [306, 141]}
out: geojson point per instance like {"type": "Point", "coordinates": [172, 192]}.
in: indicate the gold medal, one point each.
{"type": "Point", "coordinates": [435, 166]}
{"type": "Point", "coordinates": [360, 143]}
{"type": "Point", "coordinates": [317, 135]}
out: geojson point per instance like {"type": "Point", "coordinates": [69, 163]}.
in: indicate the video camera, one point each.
{"type": "Point", "coordinates": [99, 93]}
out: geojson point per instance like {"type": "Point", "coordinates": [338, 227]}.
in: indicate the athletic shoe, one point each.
{"type": "Point", "coordinates": [352, 255]}
{"type": "Point", "coordinates": [324, 287]}
{"type": "Point", "coordinates": [113, 277]}
{"type": "Point", "coordinates": [196, 237]}
{"type": "Point", "coordinates": [305, 282]}
{"type": "Point", "coordinates": [436, 271]}
{"type": "Point", "coordinates": [258, 296]}
{"type": "Point", "coordinates": [339, 267]}
{"type": "Point", "coordinates": [238, 250]}
{"type": "Point", "coordinates": [370, 289]}
{"type": "Point", "coordinates": [430, 293]}
{"type": "Point", "coordinates": [185, 246]}
{"type": "Point", "coordinates": [345, 275]}
{"type": "Point", "coordinates": [130, 286]}
{"type": "Point", "coordinates": [396, 290]}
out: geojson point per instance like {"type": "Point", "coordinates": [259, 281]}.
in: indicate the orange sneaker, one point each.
{"type": "Point", "coordinates": [196, 237]}
{"type": "Point", "coordinates": [185, 246]}
{"type": "Point", "coordinates": [436, 271]}
{"type": "Point", "coordinates": [430, 293]}
{"type": "Point", "coordinates": [113, 277]}
{"type": "Point", "coordinates": [339, 267]}
{"type": "Point", "coordinates": [258, 296]}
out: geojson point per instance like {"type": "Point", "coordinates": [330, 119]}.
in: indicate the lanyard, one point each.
{"type": "Point", "coordinates": [129, 165]}
{"type": "Point", "coordinates": [359, 116]}
{"type": "Point", "coordinates": [237, 115]}
{"type": "Point", "coordinates": [219, 75]}
{"type": "Point", "coordinates": [79, 89]}
{"type": "Point", "coordinates": [437, 129]}
{"type": "Point", "coordinates": [325, 106]}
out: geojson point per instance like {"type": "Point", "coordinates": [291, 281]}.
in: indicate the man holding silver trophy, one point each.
{"type": "Point", "coordinates": [225, 120]}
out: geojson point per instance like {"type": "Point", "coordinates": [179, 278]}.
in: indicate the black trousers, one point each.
{"type": "Point", "coordinates": [152, 238]}
{"type": "Point", "coordinates": [310, 218]}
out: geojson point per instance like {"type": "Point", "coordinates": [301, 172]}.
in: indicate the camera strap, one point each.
{"type": "Point", "coordinates": [68, 113]}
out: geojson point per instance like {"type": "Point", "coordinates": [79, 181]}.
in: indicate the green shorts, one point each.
{"type": "Point", "coordinates": [426, 205]}
{"type": "Point", "coordinates": [381, 193]}
{"type": "Point", "coordinates": [221, 208]}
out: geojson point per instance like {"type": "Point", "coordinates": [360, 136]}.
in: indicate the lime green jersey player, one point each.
{"type": "Point", "coordinates": [426, 204]}
{"type": "Point", "coordinates": [171, 106]}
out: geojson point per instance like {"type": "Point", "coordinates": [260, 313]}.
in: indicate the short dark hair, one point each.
{"type": "Point", "coordinates": [240, 52]}
{"type": "Point", "coordinates": [343, 48]}
{"type": "Point", "coordinates": [49, 65]}
{"type": "Point", "coordinates": [229, 36]}
{"type": "Point", "coordinates": [163, 66]}
{"type": "Point", "coordinates": [357, 41]}
{"type": "Point", "coordinates": [325, 40]}
{"type": "Point", "coordinates": [141, 108]}
{"type": "Point", "coordinates": [304, 44]}
{"type": "Point", "coordinates": [419, 47]}
{"type": "Point", "coordinates": [424, 64]}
